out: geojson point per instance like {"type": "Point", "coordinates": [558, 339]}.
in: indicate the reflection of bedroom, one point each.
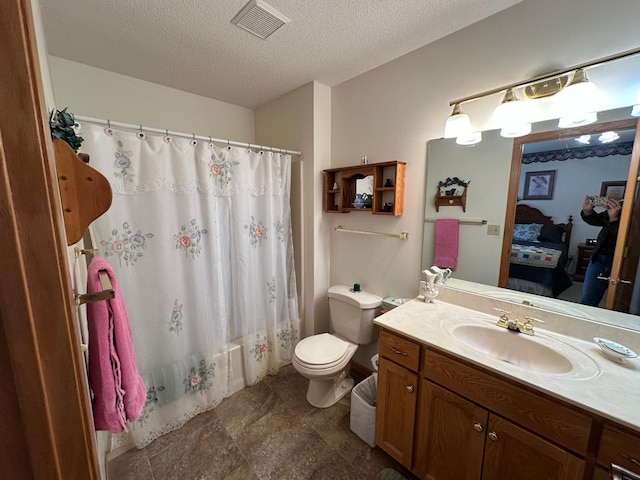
{"type": "Point", "coordinates": [573, 173]}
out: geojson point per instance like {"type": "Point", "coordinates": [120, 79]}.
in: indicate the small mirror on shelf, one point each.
{"type": "Point", "coordinates": [364, 192]}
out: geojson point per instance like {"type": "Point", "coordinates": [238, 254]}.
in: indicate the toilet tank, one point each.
{"type": "Point", "coordinates": [352, 313]}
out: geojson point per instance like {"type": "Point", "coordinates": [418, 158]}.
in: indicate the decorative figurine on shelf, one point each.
{"type": "Point", "coordinates": [388, 183]}
{"type": "Point", "coordinates": [335, 185]}
{"type": "Point", "coordinates": [387, 207]}
{"type": "Point", "coordinates": [362, 200]}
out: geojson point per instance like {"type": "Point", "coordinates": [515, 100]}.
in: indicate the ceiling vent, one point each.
{"type": "Point", "coordinates": [259, 18]}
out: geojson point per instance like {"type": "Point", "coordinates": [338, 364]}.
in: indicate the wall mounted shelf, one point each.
{"type": "Point", "coordinates": [388, 188]}
{"type": "Point", "coordinates": [451, 200]}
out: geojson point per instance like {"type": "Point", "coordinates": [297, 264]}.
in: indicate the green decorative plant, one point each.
{"type": "Point", "coordinates": [453, 181]}
{"type": "Point", "coordinates": [63, 126]}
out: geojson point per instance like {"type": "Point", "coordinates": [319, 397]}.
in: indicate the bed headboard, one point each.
{"type": "Point", "coordinates": [528, 214]}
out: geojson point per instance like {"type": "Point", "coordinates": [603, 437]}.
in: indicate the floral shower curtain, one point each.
{"type": "Point", "coordinates": [200, 240]}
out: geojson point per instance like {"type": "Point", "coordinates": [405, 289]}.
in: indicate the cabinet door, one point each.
{"type": "Point", "coordinates": [451, 436]}
{"type": "Point", "coordinates": [396, 409]}
{"type": "Point", "coordinates": [512, 452]}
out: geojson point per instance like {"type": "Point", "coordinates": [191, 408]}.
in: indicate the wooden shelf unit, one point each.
{"type": "Point", "coordinates": [451, 200]}
{"type": "Point", "coordinates": [340, 200]}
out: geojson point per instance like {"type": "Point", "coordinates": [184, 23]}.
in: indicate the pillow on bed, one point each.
{"type": "Point", "coordinates": [526, 232]}
{"type": "Point", "coordinates": [551, 233]}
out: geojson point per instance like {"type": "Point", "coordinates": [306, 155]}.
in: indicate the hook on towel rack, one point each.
{"type": "Point", "coordinates": [106, 293]}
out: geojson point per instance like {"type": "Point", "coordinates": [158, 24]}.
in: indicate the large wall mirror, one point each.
{"type": "Point", "coordinates": [549, 174]}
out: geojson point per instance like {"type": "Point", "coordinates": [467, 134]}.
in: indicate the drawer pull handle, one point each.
{"type": "Point", "coordinates": [631, 459]}
{"type": "Point", "coordinates": [398, 352]}
{"type": "Point", "coordinates": [477, 427]}
{"type": "Point", "coordinates": [410, 388]}
{"type": "Point", "coordinates": [493, 436]}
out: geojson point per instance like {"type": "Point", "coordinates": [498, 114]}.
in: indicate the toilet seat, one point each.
{"type": "Point", "coordinates": [322, 351]}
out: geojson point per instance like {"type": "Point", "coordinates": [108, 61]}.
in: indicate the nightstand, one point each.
{"type": "Point", "coordinates": [582, 260]}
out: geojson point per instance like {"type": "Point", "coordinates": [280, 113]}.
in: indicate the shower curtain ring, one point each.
{"type": "Point", "coordinates": [210, 143]}
{"type": "Point", "coordinates": [141, 135]}
{"type": "Point", "coordinates": [167, 138]}
{"type": "Point", "coordinates": [228, 145]}
{"type": "Point", "coordinates": [194, 142]}
{"type": "Point", "coordinates": [108, 130]}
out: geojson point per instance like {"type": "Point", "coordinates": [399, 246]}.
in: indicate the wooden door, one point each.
{"type": "Point", "coordinates": [397, 399]}
{"type": "Point", "coordinates": [451, 436]}
{"type": "Point", "coordinates": [512, 452]}
{"type": "Point", "coordinates": [624, 270]}
{"type": "Point", "coordinates": [47, 430]}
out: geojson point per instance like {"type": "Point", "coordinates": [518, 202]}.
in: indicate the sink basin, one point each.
{"type": "Point", "coordinates": [539, 353]}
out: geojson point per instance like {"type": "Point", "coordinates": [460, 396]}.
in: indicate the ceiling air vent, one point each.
{"type": "Point", "coordinates": [259, 18]}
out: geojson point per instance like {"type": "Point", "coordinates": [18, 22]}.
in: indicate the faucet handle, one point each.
{"type": "Point", "coordinates": [503, 319]}
{"type": "Point", "coordinates": [527, 326]}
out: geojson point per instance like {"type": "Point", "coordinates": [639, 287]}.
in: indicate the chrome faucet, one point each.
{"type": "Point", "coordinates": [525, 327]}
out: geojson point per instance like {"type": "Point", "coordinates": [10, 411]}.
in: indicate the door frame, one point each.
{"type": "Point", "coordinates": [48, 432]}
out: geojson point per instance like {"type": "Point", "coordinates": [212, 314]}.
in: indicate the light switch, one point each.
{"type": "Point", "coordinates": [493, 229]}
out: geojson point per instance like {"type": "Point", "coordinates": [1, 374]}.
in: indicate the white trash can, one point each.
{"type": "Point", "coordinates": [363, 408]}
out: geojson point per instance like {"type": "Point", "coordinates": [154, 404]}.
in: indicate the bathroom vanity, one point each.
{"type": "Point", "coordinates": [460, 397]}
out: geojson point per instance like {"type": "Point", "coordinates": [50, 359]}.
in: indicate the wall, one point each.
{"type": "Point", "coordinates": [301, 120]}
{"type": "Point", "coordinates": [391, 112]}
{"type": "Point", "coordinates": [97, 93]}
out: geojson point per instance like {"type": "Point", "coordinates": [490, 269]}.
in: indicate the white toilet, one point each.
{"type": "Point", "coordinates": [325, 359]}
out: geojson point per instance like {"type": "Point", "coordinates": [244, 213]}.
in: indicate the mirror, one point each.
{"type": "Point", "coordinates": [563, 186]}
{"type": "Point", "coordinates": [365, 185]}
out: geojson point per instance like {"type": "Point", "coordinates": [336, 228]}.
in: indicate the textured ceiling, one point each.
{"type": "Point", "coordinates": [192, 45]}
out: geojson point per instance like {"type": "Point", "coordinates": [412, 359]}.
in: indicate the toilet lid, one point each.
{"type": "Point", "coordinates": [321, 349]}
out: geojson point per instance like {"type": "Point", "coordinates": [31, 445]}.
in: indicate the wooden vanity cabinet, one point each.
{"type": "Point", "coordinates": [620, 447]}
{"type": "Point", "coordinates": [397, 396]}
{"type": "Point", "coordinates": [446, 419]}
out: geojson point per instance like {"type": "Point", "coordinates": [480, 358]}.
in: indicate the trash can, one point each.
{"type": "Point", "coordinates": [363, 409]}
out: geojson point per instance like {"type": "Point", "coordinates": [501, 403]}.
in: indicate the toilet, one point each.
{"type": "Point", "coordinates": [325, 359]}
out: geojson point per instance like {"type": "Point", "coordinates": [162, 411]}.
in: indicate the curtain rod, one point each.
{"type": "Point", "coordinates": [185, 135]}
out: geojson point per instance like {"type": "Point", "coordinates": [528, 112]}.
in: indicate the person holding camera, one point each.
{"type": "Point", "coordinates": [593, 288]}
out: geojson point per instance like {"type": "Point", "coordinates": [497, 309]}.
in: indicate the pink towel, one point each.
{"type": "Point", "coordinates": [119, 393]}
{"type": "Point", "coordinates": [445, 252]}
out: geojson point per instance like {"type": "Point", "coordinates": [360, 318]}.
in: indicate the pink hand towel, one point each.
{"type": "Point", "coordinates": [119, 393]}
{"type": "Point", "coordinates": [445, 252]}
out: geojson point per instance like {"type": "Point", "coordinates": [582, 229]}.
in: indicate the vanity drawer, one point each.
{"type": "Point", "coordinates": [400, 350]}
{"type": "Point", "coordinates": [556, 421]}
{"type": "Point", "coordinates": [619, 447]}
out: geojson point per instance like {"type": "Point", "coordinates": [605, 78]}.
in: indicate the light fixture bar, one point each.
{"type": "Point", "coordinates": [548, 76]}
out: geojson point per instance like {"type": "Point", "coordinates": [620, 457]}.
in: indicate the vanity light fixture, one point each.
{"type": "Point", "coordinates": [578, 102]}
{"type": "Point", "coordinates": [458, 123]}
{"type": "Point", "coordinates": [512, 116]}
{"type": "Point", "coordinates": [574, 112]}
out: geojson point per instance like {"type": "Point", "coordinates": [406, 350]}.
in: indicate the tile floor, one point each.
{"type": "Point", "coordinates": [268, 431]}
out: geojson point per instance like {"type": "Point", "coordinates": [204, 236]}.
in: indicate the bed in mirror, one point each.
{"type": "Point", "coordinates": [548, 174]}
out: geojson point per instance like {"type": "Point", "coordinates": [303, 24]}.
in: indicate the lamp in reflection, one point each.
{"type": "Point", "coordinates": [469, 138]}
{"type": "Point", "coordinates": [607, 137]}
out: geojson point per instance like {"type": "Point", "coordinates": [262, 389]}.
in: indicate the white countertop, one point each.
{"type": "Point", "coordinates": [606, 387]}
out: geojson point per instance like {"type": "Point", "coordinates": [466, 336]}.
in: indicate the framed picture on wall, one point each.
{"type": "Point", "coordinates": [539, 185]}
{"type": "Point", "coordinates": [613, 190]}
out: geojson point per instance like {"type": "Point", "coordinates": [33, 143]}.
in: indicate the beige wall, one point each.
{"type": "Point", "coordinates": [391, 112]}
{"type": "Point", "coordinates": [97, 93]}
{"type": "Point", "coordinates": [301, 120]}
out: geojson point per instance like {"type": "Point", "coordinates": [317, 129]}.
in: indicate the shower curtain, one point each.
{"type": "Point", "coordinates": [200, 240]}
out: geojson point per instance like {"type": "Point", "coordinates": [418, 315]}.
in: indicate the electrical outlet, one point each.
{"type": "Point", "coordinates": [493, 229]}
